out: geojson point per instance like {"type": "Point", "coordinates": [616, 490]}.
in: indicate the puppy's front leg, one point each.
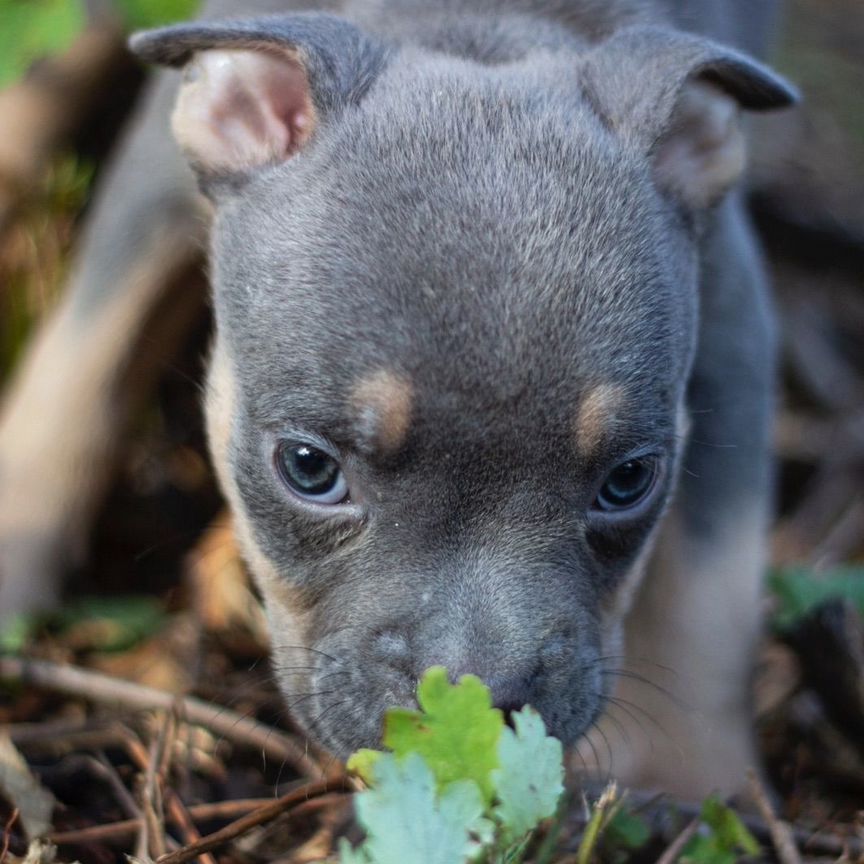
{"type": "Point", "coordinates": [94, 357]}
{"type": "Point", "coordinates": [694, 625]}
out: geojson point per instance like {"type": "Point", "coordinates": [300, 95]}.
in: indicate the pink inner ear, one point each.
{"type": "Point", "coordinates": [244, 109]}
{"type": "Point", "coordinates": [703, 155]}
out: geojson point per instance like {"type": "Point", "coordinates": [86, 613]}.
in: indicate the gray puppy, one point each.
{"type": "Point", "coordinates": [492, 345]}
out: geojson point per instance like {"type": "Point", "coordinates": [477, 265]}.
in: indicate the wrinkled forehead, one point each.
{"type": "Point", "coordinates": [480, 245]}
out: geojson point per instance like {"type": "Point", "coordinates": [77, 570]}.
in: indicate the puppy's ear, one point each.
{"type": "Point", "coordinates": [676, 97]}
{"type": "Point", "coordinates": [254, 91]}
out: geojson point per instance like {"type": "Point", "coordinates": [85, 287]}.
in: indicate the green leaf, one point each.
{"type": "Point", "coordinates": [799, 591]}
{"type": "Point", "coordinates": [728, 836]}
{"type": "Point", "coordinates": [362, 763]}
{"type": "Point", "coordinates": [349, 855]}
{"type": "Point", "coordinates": [454, 764]}
{"type": "Point", "coordinates": [14, 633]}
{"type": "Point", "coordinates": [512, 853]}
{"type": "Point", "coordinates": [406, 824]}
{"type": "Point", "coordinates": [529, 782]}
{"type": "Point", "coordinates": [154, 13]}
{"type": "Point", "coordinates": [110, 623]}
{"type": "Point", "coordinates": [32, 29]}
{"type": "Point", "coordinates": [90, 623]}
{"type": "Point", "coordinates": [626, 831]}
{"type": "Point", "coordinates": [456, 732]}
{"type": "Point", "coordinates": [707, 850]}
{"type": "Point", "coordinates": [728, 827]}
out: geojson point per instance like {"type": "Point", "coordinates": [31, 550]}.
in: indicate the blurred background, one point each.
{"type": "Point", "coordinates": [67, 86]}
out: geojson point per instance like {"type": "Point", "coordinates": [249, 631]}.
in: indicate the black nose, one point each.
{"type": "Point", "coordinates": [510, 692]}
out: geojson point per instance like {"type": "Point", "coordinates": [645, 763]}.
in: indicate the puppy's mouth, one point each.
{"type": "Point", "coordinates": [342, 703]}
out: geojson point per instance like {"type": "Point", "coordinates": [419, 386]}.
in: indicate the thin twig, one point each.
{"type": "Point", "coordinates": [7, 835]}
{"type": "Point", "coordinates": [125, 828]}
{"type": "Point", "coordinates": [676, 847]}
{"type": "Point", "coordinates": [163, 759]}
{"type": "Point", "coordinates": [182, 818]}
{"type": "Point", "coordinates": [113, 691]}
{"type": "Point", "coordinates": [96, 833]}
{"type": "Point", "coordinates": [781, 834]}
{"type": "Point", "coordinates": [166, 745]}
{"type": "Point", "coordinates": [101, 768]}
{"type": "Point", "coordinates": [151, 838]}
{"type": "Point", "coordinates": [227, 809]}
{"type": "Point", "coordinates": [63, 734]}
{"type": "Point", "coordinates": [258, 817]}
{"type": "Point", "coordinates": [121, 793]}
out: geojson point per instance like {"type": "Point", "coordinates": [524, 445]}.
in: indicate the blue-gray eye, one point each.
{"type": "Point", "coordinates": [627, 485]}
{"type": "Point", "coordinates": [311, 473]}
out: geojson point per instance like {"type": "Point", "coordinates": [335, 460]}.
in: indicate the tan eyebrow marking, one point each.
{"type": "Point", "coordinates": [597, 415]}
{"type": "Point", "coordinates": [383, 403]}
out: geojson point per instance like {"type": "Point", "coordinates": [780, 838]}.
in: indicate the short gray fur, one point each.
{"type": "Point", "coordinates": [476, 214]}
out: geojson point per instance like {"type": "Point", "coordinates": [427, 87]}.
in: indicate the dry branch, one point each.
{"type": "Point", "coordinates": [182, 818]}
{"type": "Point", "coordinates": [252, 820]}
{"type": "Point", "coordinates": [781, 834]}
{"type": "Point", "coordinates": [673, 851]}
{"type": "Point", "coordinates": [242, 730]}
{"type": "Point", "coordinates": [122, 830]}
{"type": "Point", "coordinates": [7, 835]}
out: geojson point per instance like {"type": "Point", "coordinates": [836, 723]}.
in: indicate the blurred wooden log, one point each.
{"type": "Point", "coordinates": [42, 111]}
{"type": "Point", "coordinates": [90, 685]}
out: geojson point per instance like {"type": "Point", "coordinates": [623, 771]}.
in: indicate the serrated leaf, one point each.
{"type": "Point", "coordinates": [529, 782]}
{"type": "Point", "coordinates": [406, 823]}
{"type": "Point", "coordinates": [362, 763]}
{"type": "Point", "coordinates": [456, 732]}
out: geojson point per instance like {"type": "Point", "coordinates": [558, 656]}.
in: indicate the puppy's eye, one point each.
{"type": "Point", "coordinates": [628, 484]}
{"type": "Point", "coordinates": [311, 473]}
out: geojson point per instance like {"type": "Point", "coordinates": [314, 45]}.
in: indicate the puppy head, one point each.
{"type": "Point", "coordinates": [456, 310]}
